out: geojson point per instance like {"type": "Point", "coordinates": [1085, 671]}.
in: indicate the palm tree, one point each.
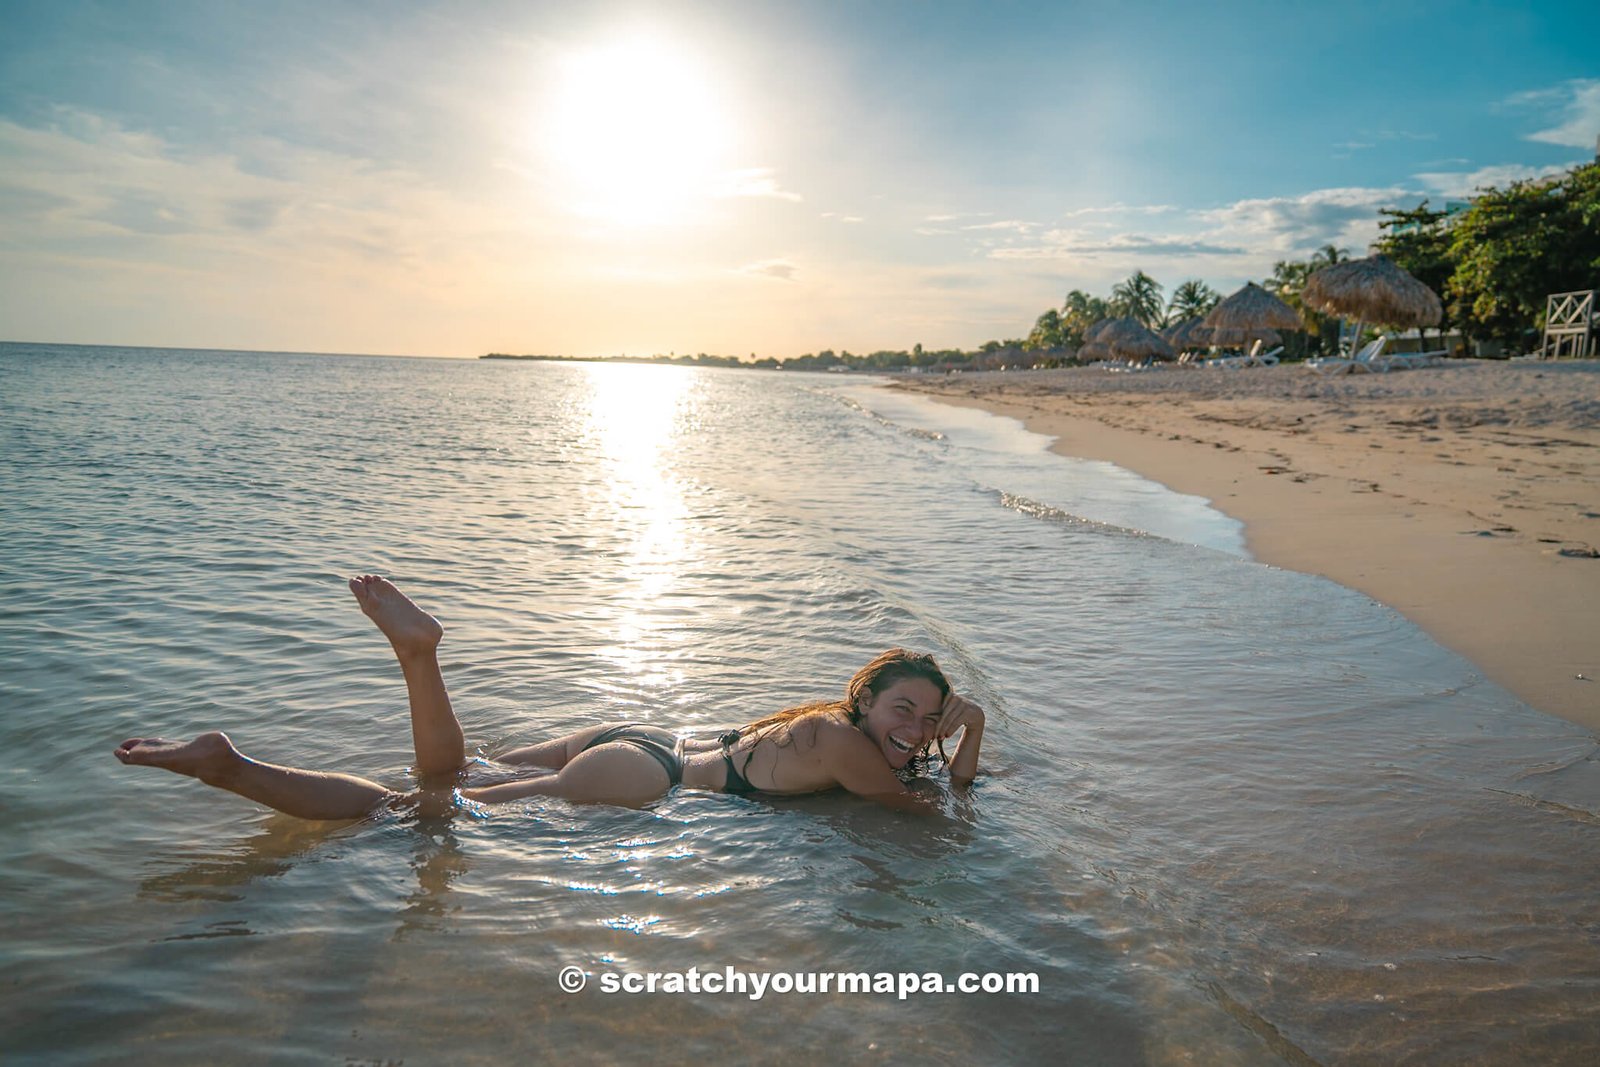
{"type": "Point", "coordinates": [1328, 255]}
{"type": "Point", "coordinates": [1079, 311]}
{"type": "Point", "coordinates": [1046, 332]}
{"type": "Point", "coordinates": [1191, 300]}
{"type": "Point", "coordinates": [1288, 281]}
{"type": "Point", "coordinates": [1138, 297]}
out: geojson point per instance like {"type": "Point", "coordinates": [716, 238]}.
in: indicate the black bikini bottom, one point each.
{"type": "Point", "coordinates": [661, 744]}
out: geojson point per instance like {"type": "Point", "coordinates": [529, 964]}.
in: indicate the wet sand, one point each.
{"type": "Point", "coordinates": [1466, 495]}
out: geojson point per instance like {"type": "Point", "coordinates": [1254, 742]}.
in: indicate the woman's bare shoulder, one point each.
{"type": "Point", "coordinates": [834, 730]}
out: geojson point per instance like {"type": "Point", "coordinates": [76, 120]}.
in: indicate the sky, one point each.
{"type": "Point", "coordinates": [740, 178]}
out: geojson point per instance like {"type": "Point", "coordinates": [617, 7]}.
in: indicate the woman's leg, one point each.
{"type": "Point", "coordinates": [212, 758]}
{"type": "Point", "coordinates": [613, 773]}
{"type": "Point", "coordinates": [553, 754]}
{"type": "Point", "coordinates": [415, 636]}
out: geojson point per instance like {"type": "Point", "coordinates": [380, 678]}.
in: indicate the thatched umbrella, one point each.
{"type": "Point", "coordinates": [1174, 334]}
{"type": "Point", "coordinates": [1248, 315]}
{"type": "Point", "coordinates": [1090, 351]}
{"type": "Point", "coordinates": [1186, 334]}
{"type": "Point", "coordinates": [1231, 336]}
{"type": "Point", "coordinates": [1373, 290]}
{"type": "Point", "coordinates": [1093, 332]}
{"type": "Point", "coordinates": [1131, 339]}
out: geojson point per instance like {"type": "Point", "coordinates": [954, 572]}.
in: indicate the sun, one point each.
{"type": "Point", "coordinates": [637, 131]}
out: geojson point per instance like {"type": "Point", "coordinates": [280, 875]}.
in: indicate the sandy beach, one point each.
{"type": "Point", "coordinates": [1466, 495]}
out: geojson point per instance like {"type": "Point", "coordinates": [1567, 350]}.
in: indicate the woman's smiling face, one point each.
{"type": "Point", "coordinates": [902, 718]}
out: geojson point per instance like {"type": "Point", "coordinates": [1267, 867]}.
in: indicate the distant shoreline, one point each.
{"type": "Point", "coordinates": [700, 360]}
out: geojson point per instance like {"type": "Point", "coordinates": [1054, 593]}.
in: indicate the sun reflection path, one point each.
{"type": "Point", "coordinates": [637, 415]}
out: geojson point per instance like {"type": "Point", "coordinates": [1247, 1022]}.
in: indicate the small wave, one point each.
{"type": "Point", "coordinates": [883, 420]}
{"type": "Point", "coordinates": [1037, 510]}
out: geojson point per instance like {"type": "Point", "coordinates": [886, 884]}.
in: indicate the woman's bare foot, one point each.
{"type": "Point", "coordinates": [208, 757]}
{"type": "Point", "coordinates": [408, 628]}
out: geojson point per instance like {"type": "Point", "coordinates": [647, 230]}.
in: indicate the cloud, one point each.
{"type": "Point", "coordinates": [754, 182]}
{"type": "Point", "coordinates": [1071, 244]}
{"type": "Point", "coordinates": [953, 280]}
{"type": "Point", "coordinates": [1296, 224]}
{"type": "Point", "coordinates": [781, 269]}
{"type": "Point", "coordinates": [835, 216]}
{"type": "Point", "coordinates": [1013, 225]}
{"type": "Point", "coordinates": [1121, 209]}
{"type": "Point", "coordinates": [1463, 184]}
{"type": "Point", "coordinates": [1576, 109]}
{"type": "Point", "coordinates": [142, 212]}
{"type": "Point", "coordinates": [123, 205]}
{"type": "Point", "coordinates": [253, 213]}
{"type": "Point", "coordinates": [958, 216]}
{"type": "Point", "coordinates": [1243, 238]}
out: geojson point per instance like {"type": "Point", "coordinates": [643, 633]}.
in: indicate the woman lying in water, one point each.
{"type": "Point", "coordinates": [896, 706]}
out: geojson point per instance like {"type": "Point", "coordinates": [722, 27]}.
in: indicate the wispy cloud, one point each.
{"type": "Point", "coordinates": [836, 217]}
{"type": "Point", "coordinates": [781, 269]}
{"type": "Point", "coordinates": [1573, 106]}
{"type": "Point", "coordinates": [754, 182]}
{"type": "Point", "coordinates": [1244, 237]}
{"type": "Point", "coordinates": [1121, 209]}
{"type": "Point", "coordinates": [1462, 184]}
{"type": "Point", "coordinates": [1295, 224]}
{"type": "Point", "coordinates": [958, 216]}
{"type": "Point", "coordinates": [1071, 244]}
{"type": "Point", "coordinates": [134, 220]}
{"type": "Point", "coordinates": [1369, 139]}
{"type": "Point", "coordinates": [1007, 225]}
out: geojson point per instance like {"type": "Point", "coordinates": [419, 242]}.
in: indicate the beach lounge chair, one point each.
{"type": "Point", "coordinates": [1258, 358]}
{"type": "Point", "coordinates": [1235, 362]}
{"type": "Point", "coordinates": [1403, 360]}
{"type": "Point", "coordinates": [1369, 358]}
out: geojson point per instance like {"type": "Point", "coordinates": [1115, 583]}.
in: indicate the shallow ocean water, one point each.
{"type": "Point", "coordinates": [1230, 813]}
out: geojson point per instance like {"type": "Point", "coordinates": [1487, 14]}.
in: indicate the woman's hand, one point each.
{"type": "Point", "coordinates": [956, 714]}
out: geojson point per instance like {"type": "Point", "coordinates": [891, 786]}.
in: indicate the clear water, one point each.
{"type": "Point", "coordinates": [1230, 814]}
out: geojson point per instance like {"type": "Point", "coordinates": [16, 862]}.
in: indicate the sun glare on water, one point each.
{"type": "Point", "coordinates": [637, 131]}
{"type": "Point", "coordinates": [636, 415]}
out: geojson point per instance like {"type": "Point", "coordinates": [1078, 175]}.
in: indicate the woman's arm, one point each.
{"type": "Point", "coordinates": [965, 716]}
{"type": "Point", "coordinates": [857, 765]}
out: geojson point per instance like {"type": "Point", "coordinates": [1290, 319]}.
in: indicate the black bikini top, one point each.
{"type": "Point", "coordinates": [736, 782]}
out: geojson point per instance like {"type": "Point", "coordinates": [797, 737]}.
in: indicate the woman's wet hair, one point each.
{"type": "Point", "coordinates": [886, 670]}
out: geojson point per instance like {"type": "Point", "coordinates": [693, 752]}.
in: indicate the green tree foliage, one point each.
{"type": "Point", "coordinates": [1327, 256]}
{"type": "Point", "coordinates": [1079, 311]}
{"type": "Point", "coordinates": [1191, 300]}
{"type": "Point", "coordinates": [1419, 242]}
{"type": "Point", "coordinates": [1288, 283]}
{"type": "Point", "coordinates": [1139, 297]}
{"type": "Point", "coordinates": [1046, 332]}
{"type": "Point", "coordinates": [1515, 246]}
